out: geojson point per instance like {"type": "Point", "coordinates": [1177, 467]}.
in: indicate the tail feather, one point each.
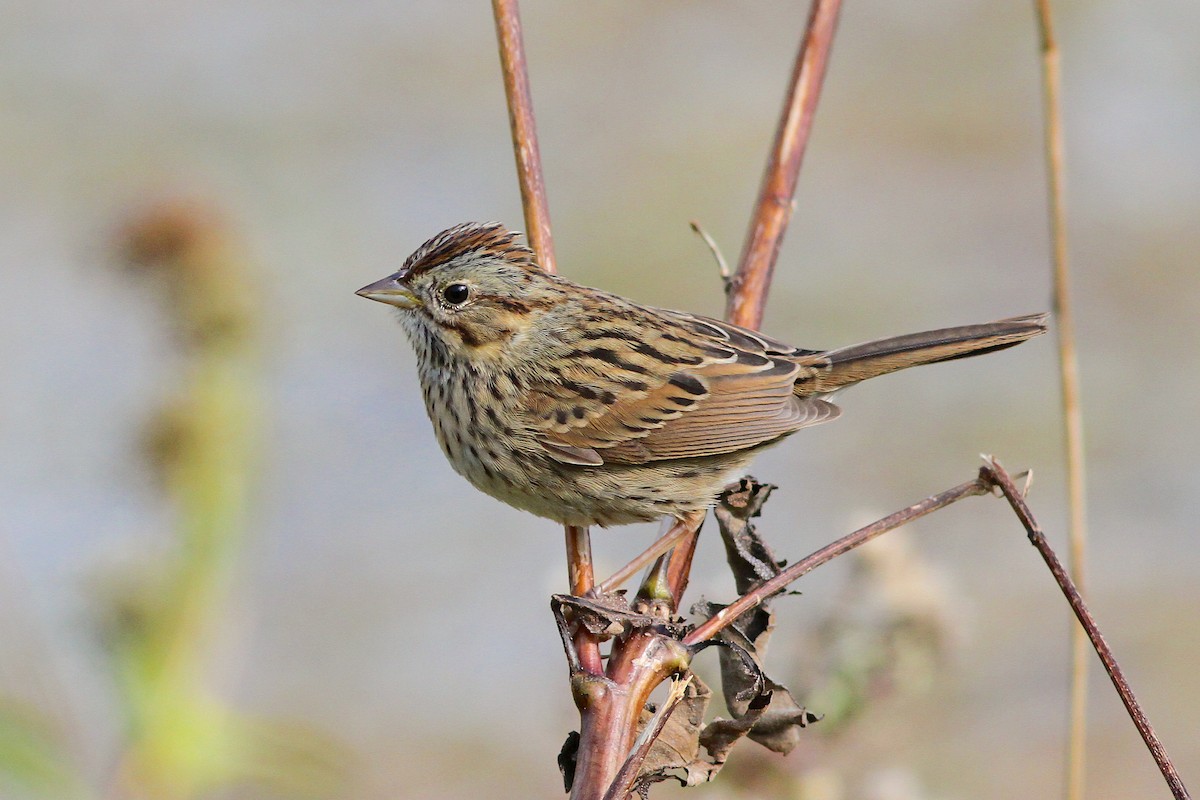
{"type": "Point", "coordinates": [848, 365]}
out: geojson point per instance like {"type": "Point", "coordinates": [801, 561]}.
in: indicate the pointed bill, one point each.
{"type": "Point", "coordinates": [391, 291]}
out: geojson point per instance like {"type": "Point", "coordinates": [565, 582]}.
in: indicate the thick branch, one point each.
{"type": "Point", "coordinates": [612, 707]}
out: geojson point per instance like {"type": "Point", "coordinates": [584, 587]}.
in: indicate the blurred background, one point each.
{"type": "Point", "coordinates": [233, 562]}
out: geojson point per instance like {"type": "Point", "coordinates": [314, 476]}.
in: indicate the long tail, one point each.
{"type": "Point", "coordinates": [848, 365]}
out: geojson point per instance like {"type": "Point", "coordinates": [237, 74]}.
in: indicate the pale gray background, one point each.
{"type": "Point", "coordinates": [338, 136]}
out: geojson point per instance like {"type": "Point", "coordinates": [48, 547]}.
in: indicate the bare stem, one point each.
{"type": "Point", "coordinates": [752, 281]}
{"type": "Point", "coordinates": [748, 288]}
{"type": "Point", "coordinates": [1069, 375]}
{"type": "Point", "coordinates": [582, 578]}
{"type": "Point", "coordinates": [608, 721]}
{"type": "Point", "coordinates": [995, 474]}
{"type": "Point", "coordinates": [718, 256]}
{"type": "Point", "coordinates": [714, 625]}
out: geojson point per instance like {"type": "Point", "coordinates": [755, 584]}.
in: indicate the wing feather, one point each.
{"type": "Point", "coordinates": [686, 387]}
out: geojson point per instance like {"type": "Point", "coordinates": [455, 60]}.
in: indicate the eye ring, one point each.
{"type": "Point", "coordinates": [456, 294]}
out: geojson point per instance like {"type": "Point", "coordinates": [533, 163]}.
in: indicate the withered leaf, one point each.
{"type": "Point", "coordinates": [567, 759]}
{"type": "Point", "coordinates": [610, 615]}
{"type": "Point", "coordinates": [749, 557]}
{"type": "Point", "coordinates": [674, 755]}
{"type": "Point", "coordinates": [761, 708]}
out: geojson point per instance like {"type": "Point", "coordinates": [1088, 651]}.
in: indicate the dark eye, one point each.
{"type": "Point", "coordinates": [456, 293]}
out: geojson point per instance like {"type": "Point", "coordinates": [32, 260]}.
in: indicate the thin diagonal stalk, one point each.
{"type": "Point", "coordinates": [997, 476]}
{"type": "Point", "coordinates": [749, 286]}
{"type": "Point", "coordinates": [623, 783]}
{"type": "Point", "coordinates": [726, 616]}
{"type": "Point", "coordinates": [1069, 373]}
{"type": "Point", "coordinates": [659, 546]}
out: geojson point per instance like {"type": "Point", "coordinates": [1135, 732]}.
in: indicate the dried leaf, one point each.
{"type": "Point", "coordinates": [749, 557]}
{"type": "Point", "coordinates": [678, 743]}
{"type": "Point", "coordinates": [610, 615]}
{"type": "Point", "coordinates": [676, 750]}
{"type": "Point", "coordinates": [566, 759]}
{"type": "Point", "coordinates": [763, 709]}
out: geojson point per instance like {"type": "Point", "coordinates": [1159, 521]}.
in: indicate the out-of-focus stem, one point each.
{"type": "Point", "coordinates": [205, 448]}
{"type": "Point", "coordinates": [1071, 410]}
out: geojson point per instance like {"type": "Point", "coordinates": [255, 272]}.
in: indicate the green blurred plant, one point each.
{"type": "Point", "coordinates": [33, 759]}
{"type": "Point", "coordinates": [182, 741]}
{"type": "Point", "coordinates": [179, 740]}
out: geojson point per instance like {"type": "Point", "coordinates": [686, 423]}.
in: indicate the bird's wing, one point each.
{"type": "Point", "coordinates": [682, 387]}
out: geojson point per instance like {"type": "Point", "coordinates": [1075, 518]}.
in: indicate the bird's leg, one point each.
{"type": "Point", "coordinates": [680, 528]}
{"type": "Point", "coordinates": [679, 564]}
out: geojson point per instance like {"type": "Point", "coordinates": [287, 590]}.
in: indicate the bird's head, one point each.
{"type": "Point", "coordinates": [473, 287]}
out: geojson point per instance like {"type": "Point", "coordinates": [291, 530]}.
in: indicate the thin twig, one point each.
{"type": "Point", "coordinates": [714, 625]}
{"type": "Point", "coordinates": [662, 544]}
{"type": "Point", "coordinates": [623, 783]}
{"type": "Point", "coordinates": [722, 266]}
{"type": "Point", "coordinates": [751, 283]}
{"type": "Point", "coordinates": [996, 474]}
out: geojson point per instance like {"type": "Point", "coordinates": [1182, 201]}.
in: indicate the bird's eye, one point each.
{"type": "Point", "coordinates": [456, 293]}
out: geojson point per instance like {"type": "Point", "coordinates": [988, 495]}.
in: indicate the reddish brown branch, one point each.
{"type": "Point", "coordinates": [610, 708]}
{"type": "Point", "coordinates": [537, 225]}
{"type": "Point", "coordinates": [991, 476]}
{"type": "Point", "coordinates": [996, 474]}
{"type": "Point", "coordinates": [611, 704]}
{"type": "Point", "coordinates": [659, 546]}
{"type": "Point", "coordinates": [752, 281]}
{"type": "Point", "coordinates": [627, 775]}
{"type": "Point", "coordinates": [581, 578]}
{"type": "Point", "coordinates": [679, 561]}
{"type": "Point", "coordinates": [749, 286]}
